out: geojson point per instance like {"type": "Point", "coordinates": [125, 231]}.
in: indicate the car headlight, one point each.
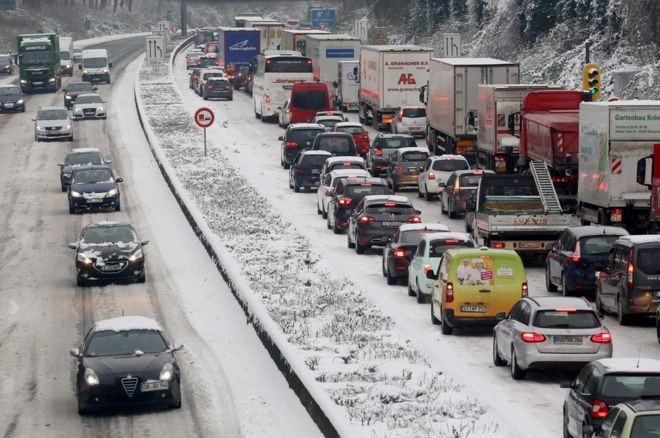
{"type": "Point", "coordinates": [23, 81]}
{"type": "Point", "coordinates": [75, 194]}
{"type": "Point", "coordinates": [19, 102]}
{"type": "Point", "coordinates": [40, 128]}
{"type": "Point", "coordinates": [105, 70]}
{"type": "Point", "coordinates": [67, 127]}
{"type": "Point", "coordinates": [90, 377]}
{"type": "Point", "coordinates": [77, 110]}
{"type": "Point", "coordinates": [67, 97]}
{"type": "Point", "coordinates": [82, 258]}
{"type": "Point", "coordinates": [167, 372]}
{"type": "Point", "coordinates": [67, 174]}
{"type": "Point", "coordinates": [101, 109]}
{"type": "Point", "coordinates": [85, 72]}
{"type": "Point", "coordinates": [111, 193]}
{"type": "Point", "coordinates": [137, 255]}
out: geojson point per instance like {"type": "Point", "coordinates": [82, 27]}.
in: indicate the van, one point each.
{"type": "Point", "coordinates": [95, 66]}
{"type": "Point", "coordinates": [308, 98]}
{"type": "Point", "coordinates": [66, 56]}
{"type": "Point", "coordinates": [476, 287]}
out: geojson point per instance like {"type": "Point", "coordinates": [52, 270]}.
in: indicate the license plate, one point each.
{"type": "Point", "coordinates": [529, 245]}
{"type": "Point", "coordinates": [473, 309]}
{"type": "Point", "coordinates": [37, 83]}
{"type": "Point", "coordinates": [9, 105]}
{"type": "Point", "coordinates": [111, 268]}
{"type": "Point", "coordinates": [391, 224]}
{"type": "Point", "coordinates": [567, 340]}
{"type": "Point", "coordinates": [94, 201]}
{"type": "Point", "coordinates": [154, 385]}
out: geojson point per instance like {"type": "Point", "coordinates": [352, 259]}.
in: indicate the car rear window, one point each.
{"type": "Point", "coordinates": [350, 129]}
{"type": "Point", "coordinates": [212, 75]}
{"type": "Point", "coordinates": [596, 245]}
{"type": "Point", "coordinates": [414, 156]}
{"type": "Point", "coordinates": [562, 318]}
{"type": "Point", "coordinates": [469, 180]}
{"type": "Point", "coordinates": [646, 426]}
{"type": "Point", "coordinates": [647, 261]}
{"type": "Point", "coordinates": [304, 135]}
{"type": "Point", "coordinates": [345, 165]}
{"type": "Point", "coordinates": [414, 112]}
{"type": "Point", "coordinates": [632, 386]}
{"type": "Point", "coordinates": [450, 165]}
{"type": "Point", "coordinates": [310, 99]}
{"type": "Point", "coordinates": [329, 123]}
{"type": "Point", "coordinates": [360, 191]}
{"type": "Point", "coordinates": [395, 143]}
{"type": "Point", "coordinates": [336, 145]}
{"type": "Point", "coordinates": [438, 247]}
{"type": "Point", "coordinates": [314, 160]}
{"type": "Point", "coordinates": [389, 207]}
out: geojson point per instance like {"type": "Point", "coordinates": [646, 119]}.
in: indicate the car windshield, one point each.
{"type": "Point", "coordinates": [94, 62]}
{"type": "Point", "coordinates": [438, 247]}
{"type": "Point", "coordinates": [469, 180]}
{"type": "Point", "coordinates": [10, 91]}
{"type": "Point", "coordinates": [631, 386]}
{"type": "Point", "coordinates": [414, 156]}
{"type": "Point", "coordinates": [357, 192]}
{"type": "Point", "coordinates": [414, 112]}
{"type": "Point", "coordinates": [646, 426]}
{"type": "Point", "coordinates": [450, 165]}
{"type": "Point", "coordinates": [351, 129]}
{"type": "Point", "coordinates": [5, 60]}
{"type": "Point", "coordinates": [113, 234]}
{"type": "Point", "coordinates": [123, 343]}
{"type": "Point", "coordinates": [563, 318]}
{"type": "Point", "coordinates": [89, 99]}
{"type": "Point", "coordinates": [335, 145]}
{"type": "Point", "coordinates": [314, 160]}
{"type": "Point", "coordinates": [54, 114]}
{"type": "Point", "coordinates": [65, 56]}
{"type": "Point", "coordinates": [84, 158]}
{"type": "Point", "coordinates": [310, 99]}
{"type": "Point", "coordinates": [304, 135]}
{"type": "Point", "coordinates": [92, 176]}
{"type": "Point", "coordinates": [395, 143]}
{"type": "Point", "coordinates": [647, 261]}
{"type": "Point", "coordinates": [394, 208]}
{"type": "Point", "coordinates": [596, 245]}
{"type": "Point", "coordinates": [36, 57]}
{"type": "Point", "coordinates": [80, 87]}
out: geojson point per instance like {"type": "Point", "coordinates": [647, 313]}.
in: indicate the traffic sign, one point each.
{"type": "Point", "coordinates": [452, 43]}
{"type": "Point", "coordinates": [204, 117]}
{"type": "Point", "coordinates": [164, 25]}
{"type": "Point", "coordinates": [362, 29]}
{"type": "Point", "coordinates": [155, 50]}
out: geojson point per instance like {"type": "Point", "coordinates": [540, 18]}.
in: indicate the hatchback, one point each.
{"type": "Point", "coordinates": [328, 184]}
{"type": "Point", "coordinates": [78, 157]}
{"type": "Point", "coordinates": [632, 419]}
{"type": "Point", "coordinates": [328, 121]}
{"type": "Point", "coordinates": [461, 186]}
{"type": "Point", "coordinates": [437, 169]}
{"type": "Point", "coordinates": [75, 89]}
{"type": "Point", "coordinates": [405, 167]}
{"type": "Point", "coordinates": [347, 194]}
{"type": "Point", "coordinates": [89, 106]}
{"type": "Point", "coordinates": [306, 169]}
{"type": "Point", "coordinates": [52, 123]}
{"type": "Point", "coordinates": [410, 120]}
{"type": "Point", "coordinates": [94, 187]}
{"type": "Point", "coordinates": [383, 147]}
{"type": "Point", "coordinates": [11, 99]}
{"type": "Point", "coordinates": [298, 137]}
{"type": "Point", "coordinates": [218, 87]}
{"type": "Point", "coordinates": [337, 143]}
{"type": "Point", "coordinates": [360, 135]}
{"type": "Point", "coordinates": [336, 163]}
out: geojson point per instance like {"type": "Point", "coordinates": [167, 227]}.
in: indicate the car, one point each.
{"type": "Point", "coordinates": [398, 251]}
{"type": "Point", "coordinates": [75, 89]}
{"type": "Point", "coordinates": [339, 162]}
{"type": "Point", "coordinates": [194, 77]}
{"type": "Point", "coordinates": [126, 362]}
{"type": "Point", "coordinates": [11, 99]}
{"type": "Point", "coordinates": [6, 64]}
{"type": "Point", "coordinates": [602, 384]}
{"type": "Point", "coordinates": [328, 121]}
{"type": "Point", "coordinates": [360, 135]}
{"type": "Point", "coordinates": [435, 174]}
{"type": "Point", "coordinates": [550, 332]}
{"type": "Point", "coordinates": [218, 87]}
{"type": "Point", "coordinates": [405, 166]}
{"type": "Point", "coordinates": [89, 106]}
{"type": "Point", "coordinates": [109, 251]}
{"type": "Point", "coordinates": [376, 218]}
{"type": "Point", "coordinates": [94, 188]}
{"type": "Point", "coordinates": [410, 120]}
{"type": "Point", "coordinates": [52, 122]}
{"type": "Point", "coordinates": [204, 75]}
{"type": "Point", "coordinates": [337, 143]}
{"type": "Point", "coordinates": [284, 116]}
{"type": "Point", "coordinates": [76, 158]}
{"type": "Point", "coordinates": [383, 147]}
{"type": "Point", "coordinates": [208, 60]}
{"type": "Point", "coordinates": [307, 99]}
{"type": "Point", "coordinates": [77, 54]}
{"type": "Point", "coordinates": [347, 194]}
{"type": "Point", "coordinates": [476, 287]}
{"type": "Point", "coordinates": [633, 419]}
{"type": "Point", "coordinates": [330, 114]}
{"type": "Point", "coordinates": [240, 78]}
{"type": "Point", "coordinates": [305, 169]}
{"type": "Point", "coordinates": [576, 257]}
{"type": "Point", "coordinates": [461, 186]}
{"type": "Point", "coordinates": [328, 183]}
{"type": "Point", "coordinates": [192, 58]}
{"type": "Point", "coordinates": [296, 138]}
{"type": "Point", "coordinates": [427, 255]}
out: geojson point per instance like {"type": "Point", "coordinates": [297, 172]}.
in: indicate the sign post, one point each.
{"type": "Point", "coordinates": [155, 51]}
{"type": "Point", "coordinates": [362, 29]}
{"type": "Point", "coordinates": [452, 42]}
{"type": "Point", "coordinates": [204, 118]}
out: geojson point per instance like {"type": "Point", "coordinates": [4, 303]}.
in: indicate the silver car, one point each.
{"type": "Point", "coordinates": [89, 106]}
{"type": "Point", "coordinates": [410, 120]}
{"type": "Point", "coordinates": [52, 122]}
{"type": "Point", "coordinates": [550, 332]}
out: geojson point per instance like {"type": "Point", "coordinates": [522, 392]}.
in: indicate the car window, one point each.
{"type": "Point", "coordinates": [469, 180]}
{"type": "Point", "coordinates": [122, 343]}
{"type": "Point", "coordinates": [568, 243]}
{"type": "Point", "coordinates": [92, 176]}
{"type": "Point", "coordinates": [591, 385]}
{"type": "Point", "coordinates": [522, 313]}
{"type": "Point", "coordinates": [421, 248]}
{"type": "Point", "coordinates": [608, 422]}
{"type": "Point", "coordinates": [596, 245]}
{"type": "Point", "coordinates": [310, 99]}
{"type": "Point", "coordinates": [646, 426]}
{"type": "Point", "coordinates": [389, 207]}
{"type": "Point", "coordinates": [619, 424]}
{"type": "Point", "coordinates": [304, 135]}
{"type": "Point", "coordinates": [54, 114]}
{"type": "Point", "coordinates": [609, 264]}
{"type": "Point", "coordinates": [617, 258]}
{"type": "Point", "coordinates": [450, 165]}
{"type": "Point", "coordinates": [107, 235]}
{"type": "Point", "coordinates": [438, 247]}
{"type": "Point", "coordinates": [647, 260]}
{"type": "Point", "coordinates": [411, 237]}
{"type": "Point", "coordinates": [630, 386]}
{"type": "Point", "coordinates": [346, 165]}
{"type": "Point", "coordinates": [364, 189]}
{"type": "Point", "coordinates": [414, 156]}
{"type": "Point", "coordinates": [451, 181]}
{"type": "Point", "coordinates": [89, 99]}
{"type": "Point", "coordinates": [413, 112]}
{"type": "Point", "coordinates": [395, 143]}
{"type": "Point", "coordinates": [350, 129]}
{"type": "Point", "coordinates": [79, 87]}
{"type": "Point", "coordinates": [83, 159]}
{"type": "Point", "coordinates": [5, 60]}
{"type": "Point", "coordinates": [515, 310]}
{"type": "Point", "coordinates": [582, 377]}
{"type": "Point", "coordinates": [335, 145]}
{"type": "Point", "coordinates": [10, 91]}
{"type": "Point", "coordinates": [561, 318]}
{"type": "Point", "coordinates": [314, 160]}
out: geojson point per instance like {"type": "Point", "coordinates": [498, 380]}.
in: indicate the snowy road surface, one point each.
{"type": "Point", "coordinates": [230, 386]}
{"type": "Point", "coordinates": [533, 404]}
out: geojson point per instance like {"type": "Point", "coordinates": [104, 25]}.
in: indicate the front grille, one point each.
{"type": "Point", "coordinates": [53, 128]}
{"type": "Point", "coordinates": [89, 112]}
{"type": "Point", "coordinates": [130, 384]}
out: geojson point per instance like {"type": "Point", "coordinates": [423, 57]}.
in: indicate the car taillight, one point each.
{"type": "Point", "coordinates": [427, 268]}
{"type": "Point", "coordinates": [525, 290]}
{"type": "Point", "coordinates": [415, 220]}
{"type": "Point", "coordinates": [531, 337]}
{"type": "Point", "coordinates": [299, 169]}
{"type": "Point", "coordinates": [378, 152]}
{"type": "Point", "coordinates": [457, 185]}
{"type": "Point", "coordinates": [599, 409]}
{"type": "Point", "coordinates": [576, 252]}
{"type": "Point", "coordinates": [431, 176]}
{"type": "Point", "coordinates": [449, 293]}
{"type": "Point", "coordinates": [616, 215]}
{"type": "Point", "coordinates": [601, 338]}
{"type": "Point", "coordinates": [363, 219]}
{"type": "Point", "coordinates": [344, 201]}
{"type": "Point", "coordinates": [399, 252]}
{"type": "Point", "coordinates": [631, 272]}
{"type": "Point", "coordinates": [291, 144]}
{"type": "Point", "coordinates": [398, 169]}
{"type": "Point", "coordinates": [329, 191]}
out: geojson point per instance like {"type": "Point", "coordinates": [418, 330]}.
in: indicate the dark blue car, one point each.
{"type": "Point", "coordinates": [348, 193]}
{"type": "Point", "coordinates": [305, 171]}
{"type": "Point", "coordinates": [576, 256]}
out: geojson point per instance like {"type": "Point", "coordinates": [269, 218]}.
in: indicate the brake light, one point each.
{"type": "Point", "coordinates": [415, 220]}
{"type": "Point", "coordinates": [616, 215]}
{"type": "Point", "coordinates": [427, 268]}
{"type": "Point", "coordinates": [457, 185]}
{"type": "Point", "coordinates": [525, 290]}
{"type": "Point", "coordinates": [631, 272]}
{"type": "Point", "coordinates": [576, 252]}
{"type": "Point", "coordinates": [378, 152]}
{"type": "Point", "coordinates": [209, 87]}
{"type": "Point", "coordinates": [449, 293]}
{"type": "Point", "coordinates": [299, 169]}
{"type": "Point", "coordinates": [390, 204]}
{"type": "Point", "coordinates": [329, 191]}
{"type": "Point", "coordinates": [431, 176]}
{"type": "Point", "coordinates": [558, 179]}
{"type": "Point", "coordinates": [291, 144]}
{"type": "Point", "coordinates": [347, 163]}
{"type": "Point", "coordinates": [398, 169]}
{"type": "Point", "coordinates": [498, 245]}
{"type": "Point", "coordinates": [599, 409]}
{"type": "Point", "coordinates": [399, 252]}
{"type": "Point", "coordinates": [344, 201]}
{"type": "Point", "coordinates": [267, 98]}
{"type": "Point", "coordinates": [601, 338]}
{"type": "Point", "coordinates": [566, 310]}
{"type": "Point", "coordinates": [450, 242]}
{"type": "Point", "coordinates": [531, 337]}
{"type": "Point", "coordinates": [363, 219]}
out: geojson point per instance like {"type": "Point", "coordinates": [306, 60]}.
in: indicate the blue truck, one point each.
{"type": "Point", "coordinates": [236, 47]}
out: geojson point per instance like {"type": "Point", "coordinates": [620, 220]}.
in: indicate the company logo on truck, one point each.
{"type": "Point", "coordinates": [407, 78]}
{"type": "Point", "coordinates": [242, 46]}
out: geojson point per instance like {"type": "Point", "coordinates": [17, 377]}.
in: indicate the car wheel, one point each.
{"type": "Point", "coordinates": [446, 329]}
{"type": "Point", "coordinates": [411, 292]}
{"type": "Point", "coordinates": [349, 243]}
{"type": "Point", "coordinates": [428, 196]}
{"type": "Point", "coordinates": [318, 208]}
{"type": "Point", "coordinates": [286, 165]}
{"type": "Point", "coordinates": [71, 138]}
{"type": "Point", "coordinates": [72, 210]}
{"type": "Point", "coordinates": [564, 287]}
{"type": "Point", "coordinates": [395, 188]}
{"type": "Point", "coordinates": [622, 317]}
{"type": "Point", "coordinates": [419, 192]}
{"type": "Point", "coordinates": [549, 285]}
{"type": "Point", "coordinates": [296, 187]}
{"type": "Point", "coordinates": [657, 329]}
{"type": "Point", "coordinates": [81, 409]}
{"type": "Point", "coordinates": [118, 207]}
{"type": "Point", "coordinates": [63, 188]}
{"type": "Point", "coordinates": [517, 373]}
{"type": "Point", "coordinates": [290, 185]}
{"type": "Point", "coordinates": [421, 298]}
{"type": "Point", "coordinates": [497, 359]}
{"type": "Point", "coordinates": [599, 301]}
{"type": "Point", "coordinates": [434, 320]}
{"type": "Point", "coordinates": [80, 282]}
{"type": "Point", "coordinates": [382, 266]}
{"type": "Point", "coordinates": [324, 214]}
{"type": "Point", "coordinates": [443, 210]}
{"type": "Point", "coordinates": [391, 280]}
{"type": "Point", "coordinates": [359, 248]}
{"type": "Point", "coordinates": [450, 210]}
{"type": "Point", "coordinates": [327, 223]}
{"type": "Point", "coordinates": [336, 229]}
{"type": "Point", "coordinates": [205, 97]}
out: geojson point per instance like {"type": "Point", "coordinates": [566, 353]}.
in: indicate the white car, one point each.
{"type": "Point", "coordinates": [436, 172]}
{"type": "Point", "coordinates": [52, 122]}
{"type": "Point", "coordinates": [284, 116]}
{"type": "Point", "coordinates": [89, 106]}
{"type": "Point", "coordinates": [427, 257]}
{"type": "Point", "coordinates": [410, 120]}
{"type": "Point", "coordinates": [328, 122]}
{"type": "Point", "coordinates": [348, 162]}
{"type": "Point", "coordinates": [331, 113]}
{"type": "Point", "coordinates": [328, 184]}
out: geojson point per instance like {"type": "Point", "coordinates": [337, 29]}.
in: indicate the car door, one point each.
{"type": "Point", "coordinates": [353, 218]}
{"type": "Point", "coordinates": [422, 176]}
{"type": "Point", "coordinates": [414, 264]}
{"type": "Point", "coordinates": [320, 193]}
{"type": "Point", "coordinates": [504, 330]}
{"type": "Point", "coordinates": [574, 399]}
{"type": "Point", "coordinates": [554, 257]}
{"type": "Point", "coordinates": [332, 203]}
{"type": "Point", "coordinates": [448, 191]}
{"type": "Point", "coordinates": [519, 324]}
{"type": "Point", "coordinates": [388, 246]}
{"type": "Point", "coordinates": [610, 281]}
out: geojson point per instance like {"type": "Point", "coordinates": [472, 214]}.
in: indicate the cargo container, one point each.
{"type": "Point", "coordinates": [236, 47]}
{"type": "Point", "coordinates": [326, 50]}
{"type": "Point", "coordinates": [346, 87]}
{"type": "Point", "coordinates": [294, 39]}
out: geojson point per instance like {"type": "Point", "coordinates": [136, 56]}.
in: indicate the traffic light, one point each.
{"type": "Point", "coordinates": [591, 80]}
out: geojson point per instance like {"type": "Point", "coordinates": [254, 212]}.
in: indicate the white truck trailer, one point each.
{"type": "Point", "coordinates": [294, 39]}
{"type": "Point", "coordinates": [613, 137]}
{"type": "Point", "coordinates": [452, 101]}
{"type": "Point", "coordinates": [326, 50]}
{"type": "Point", "coordinates": [346, 86]}
{"type": "Point", "coordinates": [271, 33]}
{"type": "Point", "coordinates": [390, 77]}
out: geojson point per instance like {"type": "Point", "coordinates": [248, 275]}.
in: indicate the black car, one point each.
{"type": "Point", "coordinates": [218, 87]}
{"type": "Point", "coordinates": [383, 147]}
{"type": "Point", "coordinates": [297, 138]}
{"type": "Point", "coordinates": [461, 186]}
{"type": "Point", "coordinates": [126, 362]}
{"type": "Point", "coordinates": [376, 218]}
{"type": "Point", "coordinates": [94, 187]}
{"type": "Point", "coordinates": [348, 193]}
{"type": "Point", "coordinates": [604, 383]}
{"type": "Point", "coordinates": [337, 143]}
{"type": "Point", "coordinates": [305, 170]}
{"type": "Point", "coordinates": [11, 99]}
{"type": "Point", "coordinates": [74, 89]}
{"type": "Point", "coordinates": [109, 251]}
{"type": "Point", "coordinates": [241, 77]}
{"type": "Point", "coordinates": [78, 158]}
{"type": "Point", "coordinates": [6, 64]}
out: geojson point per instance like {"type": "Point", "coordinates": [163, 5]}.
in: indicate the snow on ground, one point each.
{"type": "Point", "coordinates": [106, 39]}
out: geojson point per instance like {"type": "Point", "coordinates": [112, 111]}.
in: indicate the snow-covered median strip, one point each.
{"type": "Point", "coordinates": [367, 379]}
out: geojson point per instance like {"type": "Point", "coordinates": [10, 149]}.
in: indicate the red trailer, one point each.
{"type": "Point", "coordinates": [648, 174]}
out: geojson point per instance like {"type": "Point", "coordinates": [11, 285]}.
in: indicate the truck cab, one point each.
{"type": "Point", "coordinates": [39, 62]}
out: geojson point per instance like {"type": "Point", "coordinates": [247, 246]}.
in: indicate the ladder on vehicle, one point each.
{"type": "Point", "coordinates": [546, 188]}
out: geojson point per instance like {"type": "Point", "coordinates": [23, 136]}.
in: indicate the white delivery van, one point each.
{"type": "Point", "coordinates": [95, 66]}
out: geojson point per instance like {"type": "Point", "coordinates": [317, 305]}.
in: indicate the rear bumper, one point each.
{"type": "Point", "coordinates": [468, 321]}
{"type": "Point", "coordinates": [220, 94]}
{"type": "Point", "coordinates": [307, 181]}
{"type": "Point", "coordinates": [528, 359]}
{"type": "Point", "coordinates": [405, 180]}
{"type": "Point", "coordinates": [376, 236]}
{"type": "Point", "coordinates": [398, 266]}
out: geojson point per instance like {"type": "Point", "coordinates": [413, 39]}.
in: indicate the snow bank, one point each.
{"type": "Point", "coordinates": [364, 378]}
{"type": "Point", "coordinates": [107, 39]}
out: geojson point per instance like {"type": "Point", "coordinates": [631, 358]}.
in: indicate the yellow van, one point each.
{"type": "Point", "coordinates": [476, 287]}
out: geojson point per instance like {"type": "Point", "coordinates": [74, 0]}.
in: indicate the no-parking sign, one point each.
{"type": "Point", "coordinates": [204, 117]}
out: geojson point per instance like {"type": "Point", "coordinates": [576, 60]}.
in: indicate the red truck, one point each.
{"type": "Point", "coordinates": [549, 132]}
{"type": "Point", "coordinates": [648, 174]}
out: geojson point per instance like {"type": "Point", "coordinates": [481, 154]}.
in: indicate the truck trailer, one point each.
{"type": "Point", "coordinates": [648, 174]}
{"type": "Point", "coordinates": [236, 47]}
{"type": "Point", "coordinates": [39, 62]}
{"type": "Point", "coordinates": [294, 39]}
{"type": "Point", "coordinates": [346, 86]}
{"type": "Point", "coordinates": [326, 50]}
{"type": "Point", "coordinates": [271, 33]}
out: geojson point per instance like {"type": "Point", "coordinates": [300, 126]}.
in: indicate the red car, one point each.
{"type": "Point", "coordinates": [360, 135]}
{"type": "Point", "coordinates": [308, 98]}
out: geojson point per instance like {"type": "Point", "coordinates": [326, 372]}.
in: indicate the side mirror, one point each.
{"type": "Point", "coordinates": [178, 347]}
{"type": "Point", "coordinates": [567, 385]}
{"type": "Point", "coordinates": [144, 242]}
{"type": "Point", "coordinates": [72, 245]}
{"type": "Point", "coordinates": [119, 180]}
{"type": "Point", "coordinates": [431, 275]}
{"type": "Point", "coordinates": [34, 120]}
{"type": "Point", "coordinates": [109, 64]}
{"type": "Point", "coordinates": [60, 164]}
{"type": "Point", "coordinates": [601, 315]}
{"type": "Point", "coordinates": [280, 138]}
{"type": "Point", "coordinates": [75, 352]}
{"type": "Point", "coordinates": [64, 90]}
{"type": "Point", "coordinates": [335, 84]}
{"type": "Point", "coordinates": [501, 316]}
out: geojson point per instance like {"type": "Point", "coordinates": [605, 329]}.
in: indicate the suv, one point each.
{"type": "Point", "coordinates": [337, 143]}
{"type": "Point", "coordinates": [604, 383]}
{"type": "Point", "coordinates": [6, 64]}
{"type": "Point", "coordinates": [436, 172]}
{"type": "Point", "coordinates": [346, 195]}
{"type": "Point", "coordinates": [219, 87]}
{"type": "Point", "coordinates": [382, 149]}
{"type": "Point", "coordinates": [630, 281]}
{"type": "Point", "coordinates": [633, 419]}
{"type": "Point", "coordinates": [461, 186]}
{"type": "Point", "coordinates": [405, 166]}
{"type": "Point", "coordinates": [297, 138]}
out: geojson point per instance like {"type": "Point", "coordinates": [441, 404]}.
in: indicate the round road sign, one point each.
{"type": "Point", "coordinates": [204, 117]}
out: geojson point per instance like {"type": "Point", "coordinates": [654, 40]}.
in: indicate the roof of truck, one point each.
{"type": "Point", "coordinates": [236, 29]}
{"type": "Point", "coordinates": [568, 121]}
{"type": "Point", "coordinates": [395, 48]}
{"type": "Point", "coordinates": [473, 61]}
{"type": "Point", "coordinates": [305, 31]}
{"type": "Point", "coordinates": [333, 37]}
{"type": "Point", "coordinates": [625, 103]}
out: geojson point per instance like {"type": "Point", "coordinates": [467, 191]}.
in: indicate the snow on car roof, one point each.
{"type": "Point", "coordinates": [83, 150]}
{"type": "Point", "coordinates": [315, 152]}
{"type": "Point", "coordinates": [554, 302]}
{"type": "Point", "coordinates": [449, 235]}
{"type": "Point", "coordinates": [329, 118]}
{"type": "Point", "coordinates": [389, 198]}
{"type": "Point", "coordinates": [306, 125]}
{"type": "Point", "coordinates": [88, 94]}
{"type": "Point", "coordinates": [126, 323]}
{"type": "Point", "coordinates": [424, 226]}
{"type": "Point", "coordinates": [341, 159]}
{"type": "Point", "coordinates": [449, 157]}
{"type": "Point", "coordinates": [413, 149]}
{"type": "Point", "coordinates": [650, 238]}
{"type": "Point", "coordinates": [346, 124]}
{"type": "Point", "coordinates": [349, 172]}
{"type": "Point", "coordinates": [630, 365]}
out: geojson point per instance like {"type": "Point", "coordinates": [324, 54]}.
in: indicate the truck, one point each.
{"type": "Point", "coordinates": [66, 56]}
{"type": "Point", "coordinates": [236, 47]}
{"type": "Point", "coordinates": [452, 101]}
{"type": "Point", "coordinates": [204, 35]}
{"type": "Point", "coordinates": [614, 136]}
{"type": "Point", "coordinates": [39, 62]}
{"type": "Point", "coordinates": [518, 212]}
{"type": "Point", "coordinates": [243, 19]}
{"type": "Point", "coordinates": [271, 30]}
{"type": "Point", "coordinates": [346, 86]}
{"type": "Point", "coordinates": [326, 50]}
{"type": "Point", "coordinates": [549, 132]}
{"type": "Point", "coordinates": [390, 76]}
{"type": "Point", "coordinates": [294, 39]}
{"type": "Point", "coordinates": [648, 174]}
{"type": "Point", "coordinates": [497, 148]}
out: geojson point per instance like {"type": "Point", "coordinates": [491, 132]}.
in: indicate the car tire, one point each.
{"type": "Point", "coordinates": [427, 195]}
{"type": "Point", "coordinates": [391, 280]}
{"type": "Point", "coordinates": [80, 282]}
{"type": "Point", "coordinates": [142, 278]}
{"type": "Point", "coordinates": [72, 210]}
{"type": "Point", "coordinates": [564, 288]}
{"type": "Point", "coordinates": [497, 359]}
{"type": "Point", "coordinates": [620, 316]}
{"type": "Point", "coordinates": [71, 138]}
{"type": "Point", "coordinates": [336, 229]}
{"type": "Point", "coordinates": [327, 222]}
{"type": "Point", "coordinates": [434, 320]}
{"type": "Point", "coordinates": [296, 187]}
{"type": "Point", "coordinates": [118, 206]}
{"type": "Point", "coordinates": [657, 329]}
{"type": "Point", "coordinates": [318, 208]}
{"type": "Point", "coordinates": [290, 185]}
{"type": "Point", "coordinates": [63, 188]}
{"type": "Point", "coordinates": [446, 329]}
{"type": "Point", "coordinates": [359, 248]}
{"type": "Point", "coordinates": [598, 301]}
{"type": "Point", "coordinates": [395, 188]}
{"type": "Point", "coordinates": [382, 266]}
{"type": "Point", "coordinates": [286, 165]}
{"type": "Point", "coordinates": [443, 210]}
{"type": "Point", "coordinates": [421, 298]}
{"type": "Point", "coordinates": [324, 214]}
{"type": "Point", "coordinates": [411, 292]}
{"type": "Point", "coordinates": [205, 97]}
{"type": "Point", "coordinates": [419, 192]}
{"type": "Point", "coordinates": [349, 243]}
{"type": "Point", "coordinates": [450, 211]}
{"type": "Point", "coordinates": [517, 373]}
{"type": "Point", "coordinates": [81, 410]}
{"type": "Point", "coordinates": [549, 285]}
